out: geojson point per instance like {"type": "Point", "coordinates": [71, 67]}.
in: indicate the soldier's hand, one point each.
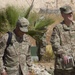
{"type": "Point", "coordinates": [29, 73]}
{"type": "Point", "coordinates": [65, 59]}
{"type": "Point", "coordinates": [3, 72]}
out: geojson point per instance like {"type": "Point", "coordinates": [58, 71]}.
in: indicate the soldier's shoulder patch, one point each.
{"type": "Point", "coordinates": [6, 36]}
{"type": "Point", "coordinates": [0, 38]}
{"type": "Point", "coordinates": [2, 42]}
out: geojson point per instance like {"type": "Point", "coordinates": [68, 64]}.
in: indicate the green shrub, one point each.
{"type": "Point", "coordinates": [3, 20]}
{"type": "Point", "coordinates": [12, 14]}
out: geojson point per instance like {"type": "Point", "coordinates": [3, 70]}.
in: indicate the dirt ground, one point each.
{"type": "Point", "coordinates": [46, 65]}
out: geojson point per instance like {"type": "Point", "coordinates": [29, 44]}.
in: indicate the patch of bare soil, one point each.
{"type": "Point", "coordinates": [46, 65]}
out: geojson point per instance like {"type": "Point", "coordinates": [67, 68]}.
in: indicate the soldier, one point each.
{"type": "Point", "coordinates": [63, 43]}
{"type": "Point", "coordinates": [15, 58]}
{"type": "Point", "coordinates": [41, 47]}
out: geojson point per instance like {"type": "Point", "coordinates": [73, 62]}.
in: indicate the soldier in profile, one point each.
{"type": "Point", "coordinates": [41, 47]}
{"type": "Point", "coordinates": [15, 57]}
{"type": "Point", "coordinates": [63, 43]}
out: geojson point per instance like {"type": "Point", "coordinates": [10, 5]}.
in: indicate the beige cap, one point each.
{"type": "Point", "coordinates": [23, 24]}
{"type": "Point", "coordinates": [66, 9]}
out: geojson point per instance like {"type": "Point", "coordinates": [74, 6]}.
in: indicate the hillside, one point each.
{"type": "Point", "coordinates": [51, 4]}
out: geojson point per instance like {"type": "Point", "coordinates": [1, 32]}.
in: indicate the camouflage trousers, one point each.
{"type": "Point", "coordinates": [64, 72]}
{"type": "Point", "coordinates": [19, 72]}
{"type": "Point", "coordinates": [14, 73]}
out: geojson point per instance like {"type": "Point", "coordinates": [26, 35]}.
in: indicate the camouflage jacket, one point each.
{"type": "Point", "coordinates": [17, 55]}
{"type": "Point", "coordinates": [43, 45]}
{"type": "Point", "coordinates": [63, 40]}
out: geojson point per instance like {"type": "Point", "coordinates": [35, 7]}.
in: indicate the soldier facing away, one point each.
{"type": "Point", "coordinates": [63, 43]}
{"type": "Point", "coordinates": [15, 58]}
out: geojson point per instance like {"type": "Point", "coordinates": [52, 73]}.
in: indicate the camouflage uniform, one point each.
{"type": "Point", "coordinates": [44, 43]}
{"type": "Point", "coordinates": [17, 57]}
{"type": "Point", "coordinates": [63, 43]}
{"type": "Point", "coordinates": [41, 46]}
{"type": "Point", "coordinates": [63, 40]}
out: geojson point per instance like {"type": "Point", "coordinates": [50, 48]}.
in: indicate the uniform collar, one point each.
{"type": "Point", "coordinates": [67, 28]}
